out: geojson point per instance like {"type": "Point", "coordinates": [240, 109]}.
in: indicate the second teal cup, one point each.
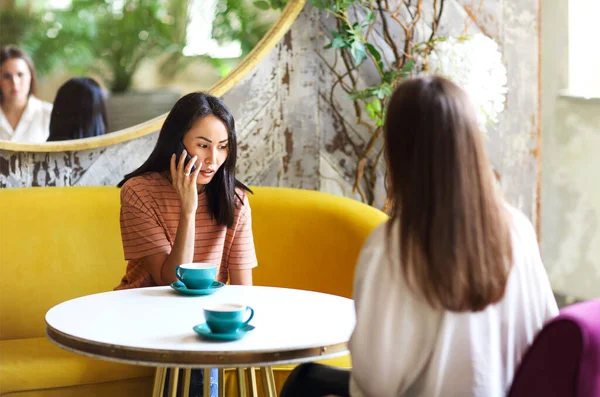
{"type": "Point", "coordinates": [196, 275]}
{"type": "Point", "coordinates": [225, 318]}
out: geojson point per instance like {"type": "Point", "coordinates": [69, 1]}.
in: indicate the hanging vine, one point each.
{"type": "Point", "coordinates": [384, 36]}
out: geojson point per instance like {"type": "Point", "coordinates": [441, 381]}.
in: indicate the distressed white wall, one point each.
{"type": "Point", "coordinates": [571, 168]}
{"type": "Point", "coordinates": [290, 135]}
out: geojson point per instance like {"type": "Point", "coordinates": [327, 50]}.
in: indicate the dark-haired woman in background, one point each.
{"type": "Point", "coordinates": [79, 110]}
{"type": "Point", "coordinates": [23, 117]}
{"type": "Point", "coordinates": [171, 214]}
{"type": "Point", "coordinates": [451, 291]}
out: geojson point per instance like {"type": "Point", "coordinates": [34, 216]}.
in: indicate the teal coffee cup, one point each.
{"type": "Point", "coordinates": [225, 318]}
{"type": "Point", "coordinates": [196, 275]}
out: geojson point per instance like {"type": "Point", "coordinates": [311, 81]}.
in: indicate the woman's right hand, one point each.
{"type": "Point", "coordinates": [185, 182]}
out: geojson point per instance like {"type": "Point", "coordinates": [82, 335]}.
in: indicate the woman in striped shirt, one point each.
{"type": "Point", "coordinates": [173, 212]}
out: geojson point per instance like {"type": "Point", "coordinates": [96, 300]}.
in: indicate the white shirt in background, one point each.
{"type": "Point", "coordinates": [403, 347]}
{"type": "Point", "coordinates": [34, 126]}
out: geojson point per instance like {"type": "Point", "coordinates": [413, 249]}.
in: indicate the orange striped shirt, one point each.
{"type": "Point", "coordinates": [150, 210]}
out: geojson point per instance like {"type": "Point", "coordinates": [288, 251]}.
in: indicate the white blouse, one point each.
{"type": "Point", "coordinates": [403, 347]}
{"type": "Point", "coordinates": [34, 126]}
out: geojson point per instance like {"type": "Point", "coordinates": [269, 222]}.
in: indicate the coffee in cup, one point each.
{"type": "Point", "coordinates": [196, 275]}
{"type": "Point", "coordinates": [224, 318]}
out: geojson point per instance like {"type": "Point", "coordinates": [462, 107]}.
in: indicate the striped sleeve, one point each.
{"type": "Point", "coordinates": [141, 232]}
{"type": "Point", "coordinates": [242, 254]}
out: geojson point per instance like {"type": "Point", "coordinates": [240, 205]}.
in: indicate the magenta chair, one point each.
{"type": "Point", "coordinates": [564, 359]}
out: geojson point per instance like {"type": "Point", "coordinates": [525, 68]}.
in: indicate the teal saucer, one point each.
{"type": "Point", "coordinates": [181, 288]}
{"type": "Point", "coordinates": [203, 330]}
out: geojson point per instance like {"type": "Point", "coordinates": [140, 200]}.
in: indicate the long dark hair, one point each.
{"type": "Point", "coordinates": [220, 191]}
{"type": "Point", "coordinates": [455, 242]}
{"type": "Point", "coordinates": [79, 110]}
{"type": "Point", "coordinates": [12, 52]}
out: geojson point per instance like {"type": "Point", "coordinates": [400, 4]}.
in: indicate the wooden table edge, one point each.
{"type": "Point", "coordinates": [191, 359]}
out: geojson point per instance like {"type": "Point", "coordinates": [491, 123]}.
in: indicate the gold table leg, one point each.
{"type": "Point", "coordinates": [206, 376]}
{"type": "Point", "coordinates": [268, 381]}
{"type": "Point", "coordinates": [173, 379]}
{"type": "Point", "coordinates": [221, 382]}
{"type": "Point", "coordinates": [253, 386]}
{"type": "Point", "coordinates": [241, 382]}
{"type": "Point", "coordinates": [159, 382]}
{"type": "Point", "coordinates": [187, 378]}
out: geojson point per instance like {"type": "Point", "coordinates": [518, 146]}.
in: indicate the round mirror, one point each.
{"type": "Point", "coordinates": [145, 54]}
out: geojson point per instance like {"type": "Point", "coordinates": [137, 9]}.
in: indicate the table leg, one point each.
{"type": "Point", "coordinates": [187, 378]}
{"type": "Point", "coordinates": [206, 377]}
{"type": "Point", "coordinates": [221, 382]}
{"type": "Point", "coordinates": [173, 379]}
{"type": "Point", "coordinates": [241, 382]}
{"type": "Point", "coordinates": [253, 387]}
{"type": "Point", "coordinates": [159, 382]}
{"type": "Point", "coordinates": [268, 381]}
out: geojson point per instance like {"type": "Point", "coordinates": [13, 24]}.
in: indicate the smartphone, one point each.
{"type": "Point", "coordinates": [179, 150]}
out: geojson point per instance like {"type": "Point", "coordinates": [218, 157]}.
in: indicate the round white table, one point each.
{"type": "Point", "coordinates": [153, 326]}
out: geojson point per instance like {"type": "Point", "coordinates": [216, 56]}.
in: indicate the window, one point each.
{"type": "Point", "coordinates": [584, 51]}
{"type": "Point", "coordinates": [199, 39]}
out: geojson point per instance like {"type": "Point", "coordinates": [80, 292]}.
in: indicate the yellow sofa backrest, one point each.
{"type": "Point", "coordinates": [61, 243]}
{"type": "Point", "coordinates": [309, 240]}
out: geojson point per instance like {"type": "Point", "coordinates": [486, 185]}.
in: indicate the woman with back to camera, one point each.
{"type": "Point", "coordinates": [172, 214]}
{"type": "Point", "coordinates": [452, 290]}
{"type": "Point", "coordinates": [23, 117]}
{"type": "Point", "coordinates": [79, 110]}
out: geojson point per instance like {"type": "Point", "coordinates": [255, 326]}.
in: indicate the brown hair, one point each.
{"type": "Point", "coordinates": [12, 52]}
{"type": "Point", "coordinates": [455, 243]}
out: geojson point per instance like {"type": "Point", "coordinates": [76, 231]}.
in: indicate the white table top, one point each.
{"type": "Point", "coordinates": [153, 326]}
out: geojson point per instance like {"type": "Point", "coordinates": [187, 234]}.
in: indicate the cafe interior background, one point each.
{"type": "Point", "coordinates": [297, 127]}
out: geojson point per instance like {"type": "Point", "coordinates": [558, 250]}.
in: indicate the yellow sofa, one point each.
{"type": "Point", "coordinates": [60, 243]}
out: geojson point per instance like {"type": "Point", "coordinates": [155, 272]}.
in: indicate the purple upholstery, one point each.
{"type": "Point", "coordinates": [564, 359]}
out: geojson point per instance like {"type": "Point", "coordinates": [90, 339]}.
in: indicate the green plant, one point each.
{"type": "Point", "coordinates": [238, 20]}
{"type": "Point", "coordinates": [270, 4]}
{"type": "Point", "coordinates": [365, 39]}
{"type": "Point", "coordinates": [104, 36]}
{"type": "Point", "coordinates": [112, 38]}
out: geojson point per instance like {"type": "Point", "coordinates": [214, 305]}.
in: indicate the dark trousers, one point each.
{"type": "Point", "coordinates": [317, 380]}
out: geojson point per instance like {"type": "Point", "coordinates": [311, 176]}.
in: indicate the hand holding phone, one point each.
{"type": "Point", "coordinates": [184, 179]}
{"type": "Point", "coordinates": [179, 151]}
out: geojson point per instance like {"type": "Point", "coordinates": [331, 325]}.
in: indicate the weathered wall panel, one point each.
{"type": "Point", "coordinates": [289, 135]}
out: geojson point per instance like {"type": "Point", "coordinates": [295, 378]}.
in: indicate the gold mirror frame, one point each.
{"type": "Point", "coordinates": [275, 33]}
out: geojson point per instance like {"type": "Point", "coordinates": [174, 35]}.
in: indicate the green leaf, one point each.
{"type": "Point", "coordinates": [320, 4]}
{"type": "Point", "coordinates": [389, 76]}
{"type": "Point", "coordinates": [376, 105]}
{"type": "Point", "coordinates": [382, 91]}
{"type": "Point", "coordinates": [370, 110]}
{"type": "Point", "coordinates": [363, 94]}
{"type": "Point", "coordinates": [342, 5]}
{"type": "Point", "coordinates": [262, 5]}
{"type": "Point", "coordinates": [373, 52]}
{"type": "Point", "coordinates": [408, 67]}
{"type": "Point", "coordinates": [338, 42]}
{"type": "Point", "coordinates": [357, 49]}
{"type": "Point", "coordinates": [357, 28]}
